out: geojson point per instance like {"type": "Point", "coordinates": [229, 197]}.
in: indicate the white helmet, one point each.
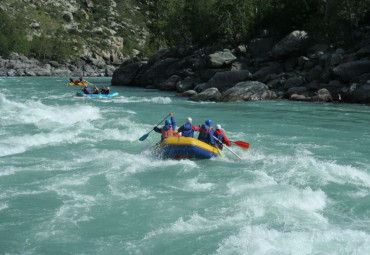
{"type": "Point", "coordinates": [189, 120]}
{"type": "Point", "coordinates": [218, 126]}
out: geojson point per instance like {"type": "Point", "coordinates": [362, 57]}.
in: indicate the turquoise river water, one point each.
{"type": "Point", "coordinates": [74, 179]}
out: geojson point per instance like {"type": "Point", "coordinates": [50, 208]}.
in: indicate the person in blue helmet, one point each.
{"type": "Point", "coordinates": [86, 90]}
{"type": "Point", "coordinates": [188, 129]}
{"type": "Point", "coordinates": [96, 90]}
{"type": "Point", "coordinates": [206, 133]}
{"type": "Point", "coordinates": [168, 129]}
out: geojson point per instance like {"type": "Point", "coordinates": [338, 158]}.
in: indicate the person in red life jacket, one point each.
{"type": "Point", "coordinates": [95, 90]}
{"type": "Point", "coordinates": [220, 135]}
{"type": "Point", "coordinates": [86, 90]}
{"type": "Point", "coordinates": [188, 129]}
{"type": "Point", "coordinates": [206, 133]}
{"type": "Point", "coordinates": [103, 90]}
{"type": "Point", "coordinates": [168, 129]}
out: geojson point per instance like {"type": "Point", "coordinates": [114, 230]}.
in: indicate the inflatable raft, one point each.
{"type": "Point", "coordinates": [79, 84]}
{"type": "Point", "coordinates": [184, 147]}
{"type": "Point", "coordinates": [80, 94]}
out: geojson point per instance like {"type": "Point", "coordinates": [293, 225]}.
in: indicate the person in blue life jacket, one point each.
{"type": "Point", "coordinates": [168, 129]}
{"type": "Point", "coordinates": [188, 129]}
{"type": "Point", "coordinates": [221, 136]}
{"type": "Point", "coordinates": [206, 133]}
{"type": "Point", "coordinates": [86, 90]}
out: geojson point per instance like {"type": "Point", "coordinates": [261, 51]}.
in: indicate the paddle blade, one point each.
{"type": "Point", "coordinates": [143, 137]}
{"type": "Point", "coordinates": [242, 144]}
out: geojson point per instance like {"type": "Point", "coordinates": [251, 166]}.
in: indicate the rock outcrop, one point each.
{"type": "Point", "coordinates": [293, 68]}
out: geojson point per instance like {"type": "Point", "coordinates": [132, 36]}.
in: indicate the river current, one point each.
{"type": "Point", "coordinates": [75, 179]}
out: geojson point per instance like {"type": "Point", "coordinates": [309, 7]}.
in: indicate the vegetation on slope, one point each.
{"type": "Point", "coordinates": [62, 29]}
{"type": "Point", "coordinates": [205, 21]}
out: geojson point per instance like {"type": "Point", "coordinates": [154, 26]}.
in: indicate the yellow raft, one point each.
{"type": "Point", "coordinates": [79, 84]}
{"type": "Point", "coordinates": [185, 147]}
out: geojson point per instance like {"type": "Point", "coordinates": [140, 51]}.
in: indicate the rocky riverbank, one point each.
{"type": "Point", "coordinates": [295, 68]}
{"type": "Point", "coordinates": [19, 65]}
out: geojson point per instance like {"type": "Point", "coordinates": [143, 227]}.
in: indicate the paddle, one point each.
{"type": "Point", "coordinates": [227, 148]}
{"type": "Point", "coordinates": [241, 144]}
{"type": "Point", "coordinates": [146, 135]}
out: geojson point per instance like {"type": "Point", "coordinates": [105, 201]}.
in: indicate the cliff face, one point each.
{"type": "Point", "coordinates": [107, 30]}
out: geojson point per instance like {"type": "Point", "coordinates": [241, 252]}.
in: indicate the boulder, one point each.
{"type": "Point", "coordinates": [270, 68]}
{"type": "Point", "coordinates": [351, 71]}
{"type": "Point", "coordinates": [322, 95]}
{"type": "Point", "coordinates": [298, 91]}
{"type": "Point", "coordinates": [298, 97]}
{"type": "Point", "coordinates": [126, 73]}
{"type": "Point", "coordinates": [220, 58]}
{"type": "Point", "coordinates": [188, 93]}
{"type": "Point", "coordinates": [248, 90]}
{"type": "Point", "coordinates": [159, 72]}
{"type": "Point", "coordinates": [225, 80]}
{"type": "Point", "coordinates": [211, 94]}
{"type": "Point", "coordinates": [171, 83]}
{"type": "Point", "coordinates": [296, 81]}
{"type": "Point", "coordinates": [294, 44]}
{"type": "Point", "coordinates": [361, 94]}
{"type": "Point", "coordinates": [186, 84]}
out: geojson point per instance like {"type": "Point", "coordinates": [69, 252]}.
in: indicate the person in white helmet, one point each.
{"type": "Point", "coordinates": [188, 129]}
{"type": "Point", "coordinates": [220, 135]}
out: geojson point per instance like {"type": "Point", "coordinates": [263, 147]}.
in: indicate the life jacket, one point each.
{"type": "Point", "coordinates": [204, 134]}
{"type": "Point", "coordinates": [219, 134]}
{"type": "Point", "coordinates": [166, 133]}
{"type": "Point", "coordinates": [187, 130]}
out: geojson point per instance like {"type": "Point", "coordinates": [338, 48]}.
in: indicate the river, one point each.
{"type": "Point", "coordinates": [75, 179]}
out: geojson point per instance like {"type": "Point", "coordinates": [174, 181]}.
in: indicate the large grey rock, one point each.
{"type": "Point", "coordinates": [220, 58]}
{"type": "Point", "coordinates": [171, 83]}
{"type": "Point", "coordinates": [270, 68]}
{"type": "Point", "coordinates": [323, 95]}
{"type": "Point", "coordinates": [157, 73]}
{"type": "Point", "coordinates": [186, 84]}
{"type": "Point", "coordinates": [211, 94]}
{"type": "Point", "coordinates": [296, 81]}
{"type": "Point", "coordinates": [188, 93]}
{"type": "Point", "coordinates": [351, 71]}
{"type": "Point", "coordinates": [248, 90]}
{"type": "Point", "coordinates": [225, 80]}
{"type": "Point", "coordinates": [126, 73]}
{"type": "Point", "coordinates": [293, 44]}
{"type": "Point", "coordinates": [361, 94]}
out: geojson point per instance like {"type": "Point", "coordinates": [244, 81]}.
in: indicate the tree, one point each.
{"type": "Point", "coordinates": [12, 37]}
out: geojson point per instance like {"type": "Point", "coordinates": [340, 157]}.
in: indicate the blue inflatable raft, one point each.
{"type": "Point", "coordinates": [184, 147]}
{"type": "Point", "coordinates": [80, 94]}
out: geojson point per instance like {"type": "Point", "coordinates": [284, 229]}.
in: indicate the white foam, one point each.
{"type": "Point", "coordinates": [156, 100]}
{"type": "Point", "coordinates": [262, 240]}
{"type": "Point", "coordinates": [19, 144]}
{"type": "Point", "coordinates": [3, 206]}
{"type": "Point", "coordinates": [195, 223]}
{"type": "Point", "coordinates": [35, 112]}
